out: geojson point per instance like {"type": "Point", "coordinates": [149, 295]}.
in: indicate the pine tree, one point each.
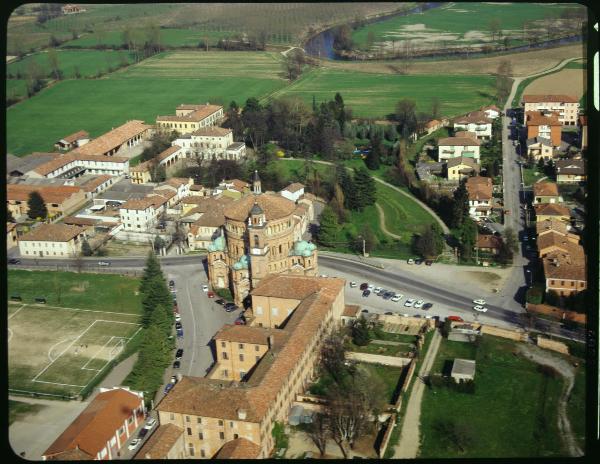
{"type": "Point", "coordinates": [364, 187]}
{"type": "Point", "coordinates": [156, 295]}
{"type": "Point", "coordinates": [86, 249]}
{"type": "Point", "coordinates": [460, 208]}
{"type": "Point", "coordinates": [36, 205]}
{"type": "Point", "coordinates": [328, 227]}
{"type": "Point", "coordinates": [337, 203]}
{"type": "Point", "coordinates": [373, 160]}
{"type": "Point", "coordinates": [360, 332]}
{"type": "Point", "coordinates": [151, 270]}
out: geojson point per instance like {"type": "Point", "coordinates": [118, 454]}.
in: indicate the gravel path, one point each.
{"type": "Point", "coordinates": [382, 223]}
{"type": "Point", "coordinates": [565, 369]}
{"type": "Point", "coordinates": [408, 445]}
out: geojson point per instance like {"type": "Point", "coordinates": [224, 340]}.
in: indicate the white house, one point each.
{"type": "Point", "coordinates": [480, 196]}
{"type": "Point", "coordinates": [51, 240]}
{"type": "Point", "coordinates": [455, 147]}
{"type": "Point", "coordinates": [74, 165]}
{"type": "Point", "coordinates": [567, 106]}
{"type": "Point", "coordinates": [293, 191]}
{"type": "Point", "coordinates": [142, 215]}
{"type": "Point", "coordinates": [491, 111]}
{"type": "Point", "coordinates": [477, 122]}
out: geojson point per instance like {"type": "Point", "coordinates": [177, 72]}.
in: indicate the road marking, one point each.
{"type": "Point", "coordinates": [187, 291]}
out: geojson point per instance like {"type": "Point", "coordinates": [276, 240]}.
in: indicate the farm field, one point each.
{"type": "Point", "coordinates": [453, 24]}
{"type": "Point", "coordinates": [141, 91]}
{"type": "Point", "coordinates": [375, 95]}
{"type": "Point", "coordinates": [522, 424]}
{"type": "Point", "coordinates": [568, 81]}
{"type": "Point", "coordinates": [87, 62]}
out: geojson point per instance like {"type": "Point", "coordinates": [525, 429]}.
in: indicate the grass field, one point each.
{"type": "Point", "coordinates": [89, 62]}
{"type": "Point", "coordinates": [18, 409]}
{"type": "Point", "coordinates": [454, 23]}
{"type": "Point", "coordinates": [59, 351]}
{"type": "Point", "coordinates": [73, 290]}
{"type": "Point", "coordinates": [16, 88]}
{"type": "Point", "coordinates": [376, 95]}
{"type": "Point", "coordinates": [576, 405]}
{"type": "Point", "coordinates": [389, 374]}
{"type": "Point", "coordinates": [154, 87]}
{"type": "Point", "coordinates": [521, 423]}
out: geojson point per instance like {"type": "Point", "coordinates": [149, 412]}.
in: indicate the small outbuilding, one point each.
{"type": "Point", "coordinates": [463, 369]}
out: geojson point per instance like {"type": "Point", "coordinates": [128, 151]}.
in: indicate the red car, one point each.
{"type": "Point", "coordinates": [211, 294]}
{"type": "Point", "coordinates": [455, 318]}
{"type": "Point", "coordinates": [175, 309]}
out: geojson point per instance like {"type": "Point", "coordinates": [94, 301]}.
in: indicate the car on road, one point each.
{"type": "Point", "coordinates": [376, 290]}
{"type": "Point", "coordinates": [419, 304]}
{"type": "Point", "coordinates": [168, 388]}
{"type": "Point", "coordinates": [418, 261]}
{"type": "Point", "coordinates": [397, 297]}
{"type": "Point", "coordinates": [103, 263]}
{"type": "Point", "coordinates": [230, 307]}
{"type": "Point", "coordinates": [179, 353]}
{"type": "Point", "coordinates": [353, 284]}
{"type": "Point", "coordinates": [455, 318]}
{"type": "Point", "coordinates": [210, 294]}
{"type": "Point", "coordinates": [427, 306]}
{"type": "Point", "coordinates": [240, 321]}
{"type": "Point", "coordinates": [479, 301]}
{"type": "Point", "coordinates": [388, 295]}
{"type": "Point", "coordinates": [14, 261]}
{"type": "Point", "coordinates": [176, 364]}
{"type": "Point", "coordinates": [220, 301]}
{"type": "Point", "coordinates": [180, 333]}
{"type": "Point", "coordinates": [205, 288]}
{"type": "Point", "coordinates": [364, 311]}
{"type": "Point", "coordinates": [480, 308]}
{"type": "Point", "coordinates": [411, 261]}
{"type": "Point", "coordinates": [152, 421]}
{"type": "Point", "coordinates": [134, 444]}
{"type": "Point", "coordinates": [171, 283]}
{"type": "Point", "coordinates": [408, 303]}
{"type": "Point", "coordinates": [173, 379]}
{"type": "Point", "coordinates": [178, 318]}
{"type": "Point", "coordinates": [525, 237]}
{"type": "Point", "coordinates": [366, 293]}
{"type": "Point", "coordinates": [428, 262]}
{"type": "Point", "coordinates": [364, 286]}
{"type": "Point", "coordinates": [389, 313]}
{"type": "Point", "coordinates": [371, 287]}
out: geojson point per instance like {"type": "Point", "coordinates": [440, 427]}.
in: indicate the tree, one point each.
{"type": "Point", "coordinates": [374, 156]}
{"type": "Point", "coordinates": [436, 106]}
{"type": "Point", "coordinates": [365, 189]}
{"type": "Point", "coordinates": [255, 122]}
{"type": "Point", "coordinates": [503, 80]}
{"type": "Point", "coordinates": [430, 243]}
{"type": "Point", "coordinates": [86, 249]}
{"type": "Point", "coordinates": [328, 227]}
{"type": "Point", "coordinates": [460, 206]}
{"type": "Point", "coordinates": [37, 206]}
{"type": "Point", "coordinates": [158, 243]}
{"type": "Point", "coordinates": [318, 432]}
{"type": "Point", "coordinates": [158, 173]}
{"type": "Point", "coordinates": [234, 120]}
{"type": "Point", "coordinates": [467, 234]}
{"type": "Point", "coordinates": [337, 203]}
{"type": "Point", "coordinates": [54, 66]}
{"type": "Point", "coordinates": [406, 117]}
{"type": "Point", "coordinates": [452, 435]}
{"type": "Point", "coordinates": [510, 238]}
{"type": "Point", "coordinates": [369, 237]}
{"type": "Point", "coordinates": [360, 332]}
{"type": "Point", "coordinates": [494, 27]}
{"type": "Point", "coordinates": [333, 356]}
{"type": "Point", "coordinates": [342, 38]}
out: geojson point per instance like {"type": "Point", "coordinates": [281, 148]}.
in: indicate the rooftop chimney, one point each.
{"type": "Point", "coordinates": [241, 414]}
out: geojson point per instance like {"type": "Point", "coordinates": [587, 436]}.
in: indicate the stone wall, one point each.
{"type": "Point", "coordinates": [378, 359]}
{"type": "Point", "coordinates": [553, 345]}
{"type": "Point", "coordinates": [517, 334]}
{"type": "Point", "coordinates": [386, 437]}
{"type": "Point", "coordinates": [556, 313]}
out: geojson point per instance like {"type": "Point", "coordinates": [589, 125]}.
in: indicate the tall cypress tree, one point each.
{"type": "Point", "coordinates": [364, 187]}
{"type": "Point", "coordinates": [36, 205]}
{"type": "Point", "coordinates": [328, 227]}
{"type": "Point", "coordinates": [373, 160]}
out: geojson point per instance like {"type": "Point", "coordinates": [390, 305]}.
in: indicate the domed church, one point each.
{"type": "Point", "coordinates": [259, 237]}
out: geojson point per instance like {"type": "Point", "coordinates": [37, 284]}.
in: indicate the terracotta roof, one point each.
{"type": "Point", "coordinates": [548, 225]}
{"type": "Point", "coordinates": [50, 193]}
{"type": "Point", "coordinates": [160, 442]}
{"type": "Point", "coordinates": [535, 118]}
{"type": "Point", "coordinates": [286, 286]}
{"type": "Point", "coordinates": [555, 240]}
{"type": "Point", "coordinates": [212, 218]}
{"type": "Point", "coordinates": [97, 423]}
{"type": "Point", "coordinates": [165, 192]}
{"type": "Point", "coordinates": [463, 133]}
{"type": "Point", "coordinates": [91, 184]}
{"type": "Point", "coordinates": [143, 166]}
{"type": "Point", "coordinates": [350, 310]}
{"type": "Point", "coordinates": [212, 131]}
{"type": "Point", "coordinates": [113, 138]}
{"type": "Point", "coordinates": [10, 226]}
{"type": "Point", "coordinates": [549, 98]}
{"type": "Point", "coordinates": [479, 188]}
{"type": "Point", "coordinates": [488, 241]}
{"type": "Point", "coordinates": [177, 181]}
{"type": "Point", "coordinates": [566, 264]}
{"type": "Point", "coordinates": [200, 112]}
{"type": "Point", "coordinates": [545, 189]}
{"type": "Point", "coordinates": [251, 335]}
{"type": "Point", "coordinates": [240, 448]}
{"type": "Point", "coordinates": [551, 209]}
{"type": "Point", "coordinates": [294, 187]}
{"type": "Point", "coordinates": [476, 117]}
{"type": "Point", "coordinates": [274, 206]}
{"type": "Point", "coordinates": [572, 167]}
{"type": "Point", "coordinates": [76, 221]}
{"type": "Point", "coordinates": [490, 107]}
{"type": "Point", "coordinates": [52, 233]}
{"type": "Point", "coordinates": [159, 200]}
{"type": "Point", "coordinates": [453, 162]}
{"type": "Point", "coordinates": [432, 123]}
{"type": "Point", "coordinates": [76, 136]}
{"type": "Point", "coordinates": [238, 184]}
{"type": "Point", "coordinates": [138, 204]}
{"type": "Point", "coordinates": [72, 156]}
{"type": "Point", "coordinates": [206, 204]}
{"type": "Point", "coordinates": [196, 187]}
{"type": "Point", "coordinates": [71, 455]}
{"type": "Point", "coordinates": [459, 142]}
{"type": "Point", "coordinates": [168, 152]}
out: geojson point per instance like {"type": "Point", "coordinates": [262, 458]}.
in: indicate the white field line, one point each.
{"type": "Point", "coordinates": [61, 384]}
{"type": "Point", "coordinates": [52, 347]}
{"type": "Point", "coordinates": [15, 313]}
{"type": "Point", "coordinates": [74, 309]}
{"type": "Point", "coordinates": [10, 334]}
{"type": "Point", "coordinates": [97, 353]}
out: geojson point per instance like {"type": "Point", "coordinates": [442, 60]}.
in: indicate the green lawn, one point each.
{"type": "Point", "coordinates": [103, 292]}
{"type": "Point", "coordinates": [530, 177]}
{"type": "Point", "coordinates": [18, 409]}
{"type": "Point", "coordinates": [389, 374]}
{"type": "Point", "coordinates": [383, 350]}
{"type": "Point", "coordinates": [16, 88]}
{"type": "Point", "coordinates": [88, 62]}
{"type": "Point", "coordinates": [375, 95]}
{"type": "Point", "coordinates": [153, 87]}
{"type": "Point", "coordinates": [460, 23]}
{"type": "Point", "coordinates": [576, 405]}
{"type": "Point", "coordinates": [513, 412]}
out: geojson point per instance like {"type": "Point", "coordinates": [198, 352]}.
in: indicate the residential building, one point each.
{"type": "Point", "coordinates": [141, 215]}
{"type": "Point", "coordinates": [567, 106]}
{"type": "Point", "coordinates": [463, 370]}
{"type": "Point", "coordinates": [102, 428]}
{"type": "Point", "coordinates": [51, 240]}
{"type": "Point", "coordinates": [552, 241]}
{"type": "Point", "coordinates": [570, 171]}
{"type": "Point", "coordinates": [564, 269]}
{"type": "Point", "coordinates": [480, 196]}
{"type": "Point", "coordinates": [491, 111]}
{"type": "Point", "coordinates": [549, 225]}
{"type": "Point", "coordinates": [75, 164]}
{"type": "Point", "coordinates": [546, 192]}
{"type": "Point", "coordinates": [59, 200]}
{"type": "Point", "coordinates": [190, 118]}
{"type": "Point", "coordinates": [461, 167]}
{"type": "Point", "coordinates": [551, 211]}
{"type": "Point", "coordinates": [72, 9]}
{"type": "Point", "coordinates": [211, 142]}
{"type": "Point", "coordinates": [583, 131]}
{"type": "Point", "coordinates": [72, 141]}
{"type": "Point", "coordinates": [116, 141]}
{"type": "Point", "coordinates": [433, 125]}
{"type": "Point", "coordinates": [226, 418]}
{"type": "Point", "coordinates": [234, 188]}
{"type": "Point", "coordinates": [455, 147]}
{"type": "Point", "coordinates": [208, 220]}
{"type": "Point", "coordinates": [11, 235]}
{"type": "Point", "coordinates": [258, 239]}
{"type": "Point", "coordinates": [19, 166]}
{"type": "Point", "coordinates": [488, 243]}
{"type": "Point", "coordinates": [539, 147]}
{"type": "Point", "coordinates": [293, 191]}
{"type": "Point", "coordinates": [350, 314]}
{"type": "Point", "coordinates": [165, 443]}
{"type": "Point", "coordinates": [546, 126]}
{"type": "Point", "coordinates": [142, 173]}
{"type": "Point", "coordinates": [477, 122]}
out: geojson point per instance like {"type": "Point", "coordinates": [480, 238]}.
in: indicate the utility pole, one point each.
{"type": "Point", "coordinates": [364, 248]}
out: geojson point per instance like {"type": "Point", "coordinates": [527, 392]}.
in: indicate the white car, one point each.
{"type": "Point", "coordinates": [177, 318]}
{"type": "Point", "coordinates": [205, 288]}
{"type": "Point", "coordinates": [134, 444]}
{"type": "Point", "coordinates": [479, 302]}
{"type": "Point", "coordinates": [481, 309]}
{"type": "Point", "coordinates": [397, 297]}
{"type": "Point", "coordinates": [411, 261]}
{"type": "Point", "coordinates": [323, 275]}
{"type": "Point", "coordinates": [408, 303]}
{"type": "Point", "coordinates": [377, 290]}
{"type": "Point", "coordinates": [152, 421]}
{"type": "Point", "coordinates": [353, 284]}
{"type": "Point", "coordinates": [419, 304]}
{"type": "Point", "coordinates": [371, 287]}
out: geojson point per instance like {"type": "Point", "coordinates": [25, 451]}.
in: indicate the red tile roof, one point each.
{"type": "Point", "coordinates": [488, 241]}
{"type": "Point", "coordinates": [294, 187]}
{"type": "Point", "coordinates": [160, 442]}
{"type": "Point", "coordinates": [52, 233]}
{"type": "Point", "coordinates": [551, 209]}
{"type": "Point", "coordinates": [168, 152]}
{"type": "Point", "coordinates": [535, 118]}
{"type": "Point", "coordinates": [459, 142]}
{"type": "Point", "coordinates": [58, 162]}
{"type": "Point", "coordinates": [274, 207]}
{"type": "Point", "coordinates": [476, 117]}
{"type": "Point", "coordinates": [113, 138]}
{"type": "Point", "coordinates": [199, 113]}
{"type": "Point", "coordinates": [549, 98]}
{"type": "Point", "coordinates": [545, 189]}
{"type": "Point", "coordinates": [240, 448]}
{"type": "Point", "coordinates": [50, 193]}
{"type": "Point", "coordinates": [479, 188]}
{"type": "Point", "coordinates": [76, 136]}
{"type": "Point", "coordinates": [212, 131]}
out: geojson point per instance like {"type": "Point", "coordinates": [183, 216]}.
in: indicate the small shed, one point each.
{"type": "Point", "coordinates": [463, 369]}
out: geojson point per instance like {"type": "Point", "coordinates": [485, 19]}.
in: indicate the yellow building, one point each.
{"type": "Point", "coordinates": [258, 239]}
{"type": "Point", "coordinates": [190, 118]}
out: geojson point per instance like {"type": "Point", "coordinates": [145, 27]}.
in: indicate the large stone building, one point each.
{"type": "Point", "coordinates": [259, 237]}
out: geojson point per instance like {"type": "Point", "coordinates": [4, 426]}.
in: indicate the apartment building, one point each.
{"type": "Point", "coordinates": [190, 118]}
{"type": "Point", "coordinates": [564, 268]}
{"type": "Point", "coordinates": [52, 240]}
{"type": "Point", "coordinates": [477, 122]}
{"type": "Point", "coordinates": [566, 106]}
{"type": "Point", "coordinates": [546, 126]}
{"type": "Point", "coordinates": [141, 215]}
{"type": "Point", "coordinates": [74, 164]}
{"type": "Point", "coordinates": [480, 196]}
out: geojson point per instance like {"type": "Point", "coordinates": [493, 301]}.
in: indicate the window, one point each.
{"type": "Point", "coordinates": [274, 311]}
{"type": "Point", "coordinates": [187, 418]}
{"type": "Point", "coordinates": [191, 449]}
{"type": "Point", "coordinates": [225, 355]}
{"type": "Point", "coordinates": [256, 348]}
{"type": "Point", "coordinates": [201, 436]}
{"type": "Point", "coordinates": [199, 420]}
{"type": "Point", "coordinates": [241, 345]}
{"type": "Point", "coordinates": [257, 358]}
{"type": "Point", "coordinates": [189, 430]}
{"type": "Point", "coordinates": [225, 373]}
{"type": "Point", "coordinates": [220, 423]}
{"type": "Point", "coordinates": [222, 435]}
{"type": "Point", "coordinates": [202, 453]}
{"type": "Point", "coordinates": [172, 416]}
{"type": "Point", "coordinates": [241, 357]}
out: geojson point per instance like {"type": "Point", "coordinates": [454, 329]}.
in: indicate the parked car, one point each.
{"type": "Point", "coordinates": [152, 421]}
{"type": "Point", "coordinates": [14, 261]}
{"type": "Point", "coordinates": [428, 262]}
{"type": "Point", "coordinates": [230, 308]}
{"type": "Point", "coordinates": [480, 308]}
{"type": "Point", "coordinates": [364, 311]}
{"type": "Point", "coordinates": [366, 293]}
{"type": "Point", "coordinates": [376, 290]}
{"type": "Point", "coordinates": [177, 317]}
{"type": "Point", "coordinates": [176, 364]}
{"type": "Point", "coordinates": [389, 313]}
{"type": "Point", "coordinates": [371, 287]}
{"type": "Point", "coordinates": [173, 379]}
{"type": "Point", "coordinates": [427, 306]}
{"type": "Point", "coordinates": [418, 261]}
{"type": "Point", "coordinates": [411, 261]}
{"type": "Point", "coordinates": [455, 318]}
{"type": "Point", "coordinates": [364, 286]}
{"type": "Point", "coordinates": [353, 284]}
{"type": "Point", "coordinates": [220, 301]}
{"type": "Point", "coordinates": [205, 288]}
{"type": "Point", "coordinates": [171, 283]}
{"type": "Point", "coordinates": [397, 297]}
{"type": "Point", "coordinates": [408, 303]}
{"type": "Point", "coordinates": [180, 333]}
{"type": "Point", "coordinates": [168, 388]}
{"type": "Point", "coordinates": [388, 295]}
{"type": "Point", "coordinates": [419, 304]}
{"type": "Point", "coordinates": [240, 321]}
{"type": "Point", "coordinates": [179, 353]}
{"type": "Point", "coordinates": [210, 294]}
{"type": "Point", "coordinates": [173, 290]}
{"type": "Point", "coordinates": [134, 444]}
{"type": "Point", "coordinates": [103, 263]}
{"type": "Point", "coordinates": [479, 301]}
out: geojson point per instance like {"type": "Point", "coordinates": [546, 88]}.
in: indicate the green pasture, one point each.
{"type": "Point", "coordinates": [88, 62]}
{"type": "Point", "coordinates": [375, 95]}
{"type": "Point", "coordinates": [521, 423]}
{"type": "Point", "coordinates": [455, 23]}
{"type": "Point", "coordinates": [16, 88]}
{"type": "Point", "coordinates": [102, 292]}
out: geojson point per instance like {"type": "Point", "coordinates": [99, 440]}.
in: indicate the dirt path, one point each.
{"type": "Point", "coordinates": [382, 223]}
{"type": "Point", "coordinates": [408, 446]}
{"type": "Point", "coordinates": [540, 356]}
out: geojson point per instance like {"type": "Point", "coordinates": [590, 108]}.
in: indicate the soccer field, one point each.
{"type": "Point", "coordinates": [60, 351]}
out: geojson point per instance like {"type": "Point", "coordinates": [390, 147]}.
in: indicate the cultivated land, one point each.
{"type": "Point", "coordinates": [153, 87]}
{"type": "Point", "coordinates": [520, 424]}
{"type": "Point", "coordinates": [60, 347]}
{"type": "Point", "coordinates": [568, 81]}
{"type": "Point", "coordinates": [375, 95]}
{"type": "Point", "coordinates": [453, 24]}
{"type": "Point", "coordinates": [89, 62]}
